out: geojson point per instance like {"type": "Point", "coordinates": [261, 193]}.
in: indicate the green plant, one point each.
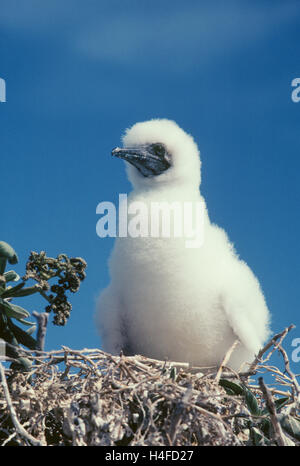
{"type": "Point", "coordinates": [65, 274]}
{"type": "Point", "coordinates": [259, 422]}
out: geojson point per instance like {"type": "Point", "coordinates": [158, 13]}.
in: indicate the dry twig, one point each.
{"type": "Point", "coordinates": [272, 343]}
{"type": "Point", "coordinates": [19, 428]}
{"type": "Point", "coordinates": [226, 359]}
{"type": "Point", "coordinates": [90, 397]}
{"type": "Point", "coordinates": [278, 434]}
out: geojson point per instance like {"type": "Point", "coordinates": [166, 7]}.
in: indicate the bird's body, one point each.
{"type": "Point", "coordinates": [166, 300]}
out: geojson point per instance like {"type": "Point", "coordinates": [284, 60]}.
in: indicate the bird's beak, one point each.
{"type": "Point", "coordinates": [148, 163]}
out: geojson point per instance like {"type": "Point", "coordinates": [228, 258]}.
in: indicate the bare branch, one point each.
{"type": "Point", "coordinates": [278, 434]}
{"type": "Point", "coordinates": [42, 321]}
{"type": "Point", "coordinates": [19, 428]}
{"type": "Point", "coordinates": [273, 342]}
{"type": "Point", "coordinates": [226, 359]}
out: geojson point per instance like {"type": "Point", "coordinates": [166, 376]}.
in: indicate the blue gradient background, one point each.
{"type": "Point", "coordinates": [79, 72]}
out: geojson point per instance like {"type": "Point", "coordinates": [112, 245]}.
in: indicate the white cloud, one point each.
{"type": "Point", "coordinates": [175, 35]}
{"type": "Point", "coordinates": [183, 36]}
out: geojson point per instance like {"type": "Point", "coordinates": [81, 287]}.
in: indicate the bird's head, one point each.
{"type": "Point", "coordinates": [159, 151]}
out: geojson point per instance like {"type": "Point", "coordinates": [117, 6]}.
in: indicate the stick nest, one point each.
{"type": "Point", "coordinates": [90, 397]}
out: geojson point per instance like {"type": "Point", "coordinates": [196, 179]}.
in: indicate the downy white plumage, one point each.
{"type": "Point", "coordinates": [166, 300]}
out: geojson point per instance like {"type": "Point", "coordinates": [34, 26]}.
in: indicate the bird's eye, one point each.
{"type": "Point", "coordinates": [158, 149]}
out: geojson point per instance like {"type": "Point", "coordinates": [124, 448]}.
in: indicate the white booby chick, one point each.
{"type": "Point", "coordinates": [166, 300]}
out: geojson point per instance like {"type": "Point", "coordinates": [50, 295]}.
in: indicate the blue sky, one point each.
{"type": "Point", "coordinates": [78, 73]}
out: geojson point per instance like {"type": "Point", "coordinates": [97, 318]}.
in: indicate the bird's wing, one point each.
{"type": "Point", "coordinates": [108, 321]}
{"type": "Point", "coordinates": [243, 328]}
{"type": "Point", "coordinates": [243, 302]}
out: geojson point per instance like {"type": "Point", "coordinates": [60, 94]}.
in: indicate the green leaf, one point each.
{"type": "Point", "coordinates": [290, 425]}
{"type": "Point", "coordinates": [31, 330]}
{"type": "Point", "coordinates": [25, 291]}
{"type": "Point", "coordinates": [258, 438]}
{"type": "Point", "coordinates": [265, 426]}
{"type": "Point", "coordinates": [10, 292]}
{"type": "Point", "coordinates": [12, 310]}
{"type": "Point", "coordinates": [251, 402]}
{"type": "Point", "coordinates": [11, 276]}
{"type": "Point", "coordinates": [173, 373]}
{"type": "Point", "coordinates": [25, 322]}
{"type": "Point", "coordinates": [23, 337]}
{"type": "Point", "coordinates": [279, 403]}
{"type": "Point", "coordinates": [2, 265]}
{"type": "Point", "coordinates": [8, 253]}
{"type": "Point", "coordinates": [22, 364]}
{"type": "Point", "coordinates": [231, 388]}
